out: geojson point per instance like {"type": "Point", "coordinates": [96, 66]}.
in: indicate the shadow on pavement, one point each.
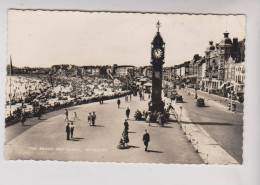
{"type": "Point", "coordinates": [212, 123]}
{"type": "Point", "coordinates": [26, 125]}
{"type": "Point", "coordinates": [42, 119]}
{"type": "Point", "coordinates": [165, 126]}
{"type": "Point", "coordinates": [171, 121]}
{"type": "Point", "coordinates": [99, 126]}
{"type": "Point", "coordinates": [132, 146]}
{"type": "Point", "coordinates": [77, 138]}
{"type": "Point", "coordinates": [205, 106]}
{"type": "Point", "coordinates": [154, 151]}
{"type": "Point", "coordinates": [127, 147]}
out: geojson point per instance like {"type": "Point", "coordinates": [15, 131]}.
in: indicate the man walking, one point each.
{"type": "Point", "coordinates": [125, 138]}
{"type": "Point", "coordinates": [126, 125]}
{"type": "Point", "coordinates": [89, 119]}
{"type": "Point", "coordinates": [146, 139]}
{"type": "Point", "coordinates": [118, 103]}
{"type": "Point", "coordinates": [140, 95]}
{"type": "Point", "coordinates": [66, 114]}
{"type": "Point", "coordinates": [93, 118]}
{"type": "Point", "coordinates": [75, 118]}
{"type": "Point", "coordinates": [23, 118]}
{"type": "Point", "coordinates": [68, 131]}
{"type": "Point", "coordinates": [127, 112]}
{"type": "Point", "coordinates": [72, 126]}
{"type": "Point", "coordinates": [40, 112]}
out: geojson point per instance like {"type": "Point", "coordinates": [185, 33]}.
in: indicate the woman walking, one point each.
{"type": "Point", "coordinates": [72, 126]}
{"type": "Point", "coordinates": [90, 119]}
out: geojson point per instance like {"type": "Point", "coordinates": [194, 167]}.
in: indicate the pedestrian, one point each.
{"type": "Point", "coordinates": [102, 99]}
{"type": "Point", "coordinates": [125, 138]}
{"type": "Point", "coordinates": [126, 125]}
{"type": "Point", "coordinates": [126, 98]}
{"type": "Point", "coordinates": [146, 140]}
{"type": "Point", "coordinates": [121, 144]}
{"type": "Point", "coordinates": [93, 118]}
{"type": "Point", "coordinates": [23, 118]}
{"type": "Point", "coordinates": [127, 112]}
{"type": "Point", "coordinates": [67, 130]}
{"type": "Point", "coordinates": [118, 103]}
{"type": "Point", "coordinates": [130, 96]}
{"type": "Point", "coordinates": [148, 119]}
{"type": "Point", "coordinates": [170, 107]}
{"type": "Point", "coordinates": [159, 118]}
{"type": "Point", "coordinates": [66, 114]}
{"type": "Point", "coordinates": [162, 117]}
{"type": "Point", "coordinates": [72, 126]}
{"type": "Point", "coordinates": [40, 112]}
{"type": "Point", "coordinates": [89, 119]}
{"type": "Point", "coordinates": [75, 117]}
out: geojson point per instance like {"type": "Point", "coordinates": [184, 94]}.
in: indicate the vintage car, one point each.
{"type": "Point", "coordinates": [179, 99]}
{"type": "Point", "coordinates": [200, 102]}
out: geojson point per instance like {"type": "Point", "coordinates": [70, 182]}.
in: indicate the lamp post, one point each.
{"type": "Point", "coordinates": [231, 101]}
{"type": "Point", "coordinates": [180, 113]}
{"type": "Point", "coordinates": [196, 93]}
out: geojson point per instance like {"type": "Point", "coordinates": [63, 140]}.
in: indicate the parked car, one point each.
{"type": "Point", "coordinates": [200, 102]}
{"type": "Point", "coordinates": [179, 99]}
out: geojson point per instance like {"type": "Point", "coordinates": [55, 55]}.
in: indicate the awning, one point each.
{"type": "Point", "coordinates": [148, 84]}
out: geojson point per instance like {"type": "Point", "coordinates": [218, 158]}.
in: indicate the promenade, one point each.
{"type": "Point", "coordinates": [46, 140]}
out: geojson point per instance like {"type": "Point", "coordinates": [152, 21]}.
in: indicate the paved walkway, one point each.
{"type": "Point", "coordinates": [46, 140]}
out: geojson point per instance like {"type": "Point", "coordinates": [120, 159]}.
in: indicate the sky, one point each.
{"type": "Point", "coordinates": [46, 38]}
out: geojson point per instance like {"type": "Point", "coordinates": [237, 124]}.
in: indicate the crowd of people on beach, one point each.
{"type": "Point", "coordinates": [34, 96]}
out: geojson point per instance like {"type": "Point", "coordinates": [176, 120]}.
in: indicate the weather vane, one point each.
{"type": "Point", "coordinates": [158, 25]}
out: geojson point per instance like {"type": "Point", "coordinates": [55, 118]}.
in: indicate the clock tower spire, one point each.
{"type": "Point", "coordinates": [158, 25]}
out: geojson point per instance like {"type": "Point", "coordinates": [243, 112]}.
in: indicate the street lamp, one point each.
{"type": "Point", "coordinates": [180, 114]}
{"type": "Point", "coordinates": [231, 101]}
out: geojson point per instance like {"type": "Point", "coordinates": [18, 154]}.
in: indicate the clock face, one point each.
{"type": "Point", "coordinates": [157, 53]}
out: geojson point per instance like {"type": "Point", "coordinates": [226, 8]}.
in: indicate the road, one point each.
{"type": "Point", "coordinates": [46, 139]}
{"type": "Point", "coordinates": [219, 99]}
{"type": "Point", "coordinates": [224, 126]}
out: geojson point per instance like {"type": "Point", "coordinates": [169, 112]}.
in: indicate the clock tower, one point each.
{"type": "Point", "coordinates": [157, 61]}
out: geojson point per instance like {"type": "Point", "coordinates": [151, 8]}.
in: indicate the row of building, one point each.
{"type": "Point", "coordinates": [221, 69]}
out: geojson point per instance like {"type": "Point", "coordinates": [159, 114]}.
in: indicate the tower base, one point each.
{"type": "Point", "coordinates": [156, 107]}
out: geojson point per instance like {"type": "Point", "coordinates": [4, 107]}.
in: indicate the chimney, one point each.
{"type": "Point", "coordinates": [226, 34]}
